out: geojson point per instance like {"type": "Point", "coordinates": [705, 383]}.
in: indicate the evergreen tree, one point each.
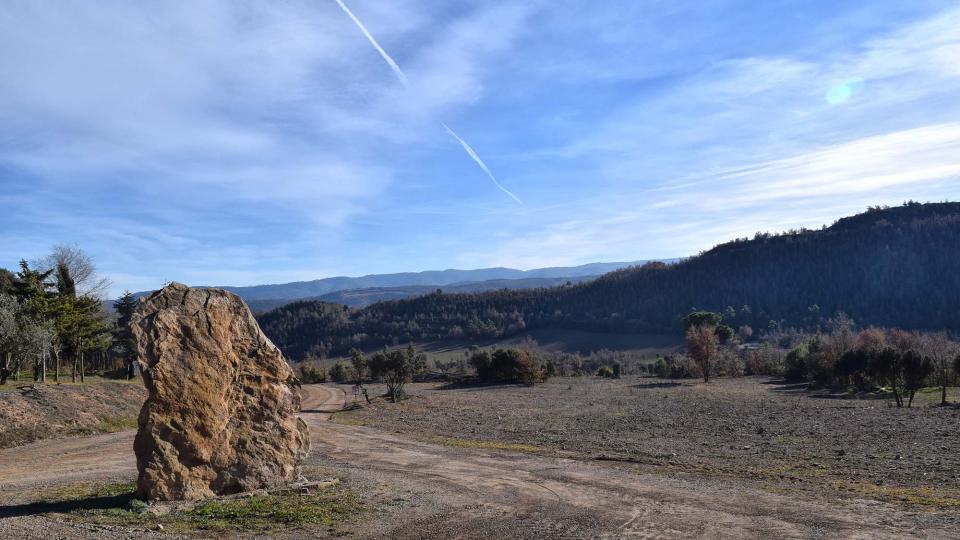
{"type": "Point", "coordinates": [7, 280]}
{"type": "Point", "coordinates": [123, 342]}
{"type": "Point", "coordinates": [9, 332]}
{"type": "Point", "coordinates": [38, 304]}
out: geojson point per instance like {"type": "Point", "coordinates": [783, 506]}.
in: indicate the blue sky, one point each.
{"type": "Point", "coordinates": [262, 142]}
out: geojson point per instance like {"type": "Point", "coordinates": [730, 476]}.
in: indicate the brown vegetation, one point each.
{"type": "Point", "coordinates": [32, 412]}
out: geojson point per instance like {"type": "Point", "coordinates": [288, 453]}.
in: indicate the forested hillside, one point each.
{"type": "Point", "coordinates": [888, 266]}
{"type": "Point", "coordinates": [364, 297]}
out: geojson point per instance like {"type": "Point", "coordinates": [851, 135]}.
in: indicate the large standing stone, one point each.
{"type": "Point", "coordinates": [221, 416]}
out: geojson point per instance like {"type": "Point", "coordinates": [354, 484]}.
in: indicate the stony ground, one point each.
{"type": "Point", "coordinates": [491, 470]}
{"type": "Point", "coordinates": [781, 436]}
{"type": "Point", "coordinates": [31, 412]}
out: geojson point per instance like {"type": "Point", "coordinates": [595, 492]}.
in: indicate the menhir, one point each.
{"type": "Point", "coordinates": [221, 416]}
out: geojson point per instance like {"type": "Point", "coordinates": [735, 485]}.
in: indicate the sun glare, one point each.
{"type": "Point", "coordinates": [841, 93]}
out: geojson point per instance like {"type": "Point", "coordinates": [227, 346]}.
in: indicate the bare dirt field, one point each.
{"type": "Point", "coordinates": [760, 430]}
{"type": "Point", "coordinates": [448, 479]}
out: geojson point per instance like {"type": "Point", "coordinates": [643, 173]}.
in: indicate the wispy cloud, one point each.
{"type": "Point", "coordinates": [749, 144]}
{"type": "Point", "coordinates": [206, 120]}
{"type": "Point", "coordinates": [185, 140]}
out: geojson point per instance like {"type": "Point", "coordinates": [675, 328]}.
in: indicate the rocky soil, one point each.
{"type": "Point", "coordinates": [755, 429]}
{"type": "Point", "coordinates": [458, 485]}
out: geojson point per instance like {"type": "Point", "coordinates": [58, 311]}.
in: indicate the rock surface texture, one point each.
{"type": "Point", "coordinates": [221, 416]}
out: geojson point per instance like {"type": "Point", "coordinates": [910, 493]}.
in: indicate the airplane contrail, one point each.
{"type": "Point", "coordinates": [393, 65]}
{"type": "Point", "coordinates": [473, 154]}
{"type": "Point", "coordinates": [406, 83]}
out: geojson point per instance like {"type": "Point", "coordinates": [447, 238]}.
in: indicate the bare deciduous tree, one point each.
{"type": "Point", "coordinates": [702, 346]}
{"type": "Point", "coordinates": [81, 268]}
{"type": "Point", "coordinates": [941, 350]}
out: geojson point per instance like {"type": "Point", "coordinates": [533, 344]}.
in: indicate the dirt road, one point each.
{"type": "Point", "coordinates": [466, 493]}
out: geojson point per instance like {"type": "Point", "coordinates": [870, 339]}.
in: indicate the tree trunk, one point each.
{"type": "Point", "coordinates": [56, 374]}
{"type": "Point", "coordinates": [5, 370]}
{"type": "Point", "coordinates": [81, 367]}
{"type": "Point", "coordinates": [943, 394]}
{"type": "Point", "coordinates": [73, 372]}
{"type": "Point", "coordinates": [43, 365]}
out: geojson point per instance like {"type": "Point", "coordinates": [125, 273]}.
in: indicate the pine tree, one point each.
{"type": "Point", "coordinates": [123, 342]}
{"type": "Point", "coordinates": [37, 300]}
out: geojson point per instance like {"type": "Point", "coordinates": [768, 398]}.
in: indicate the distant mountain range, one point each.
{"type": "Point", "coordinates": [364, 297]}
{"type": "Point", "coordinates": [365, 290]}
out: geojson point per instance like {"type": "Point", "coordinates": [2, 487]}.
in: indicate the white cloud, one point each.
{"type": "Point", "coordinates": [202, 118]}
{"type": "Point", "coordinates": [751, 144]}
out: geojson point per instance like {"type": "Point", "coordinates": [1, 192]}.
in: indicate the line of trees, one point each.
{"type": "Point", "coordinates": [52, 316]}
{"type": "Point", "coordinates": [837, 356]}
{"type": "Point", "coordinates": [399, 366]}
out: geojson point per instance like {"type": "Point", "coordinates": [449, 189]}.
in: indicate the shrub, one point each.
{"type": "Point", "coordinates": [528, 368]}
{"type": "Point", "coordinates": [728, 364]}
{"type": "Point", "coordinates": [685, 367]}
{"type": "Point", "coordinates": [766, 360]}
{"type": "Point", "coordinates": [480, 361]}
{"type": "Point", "coordinates": [852, 368]}
{"type": "Point", "coordinates": [550, 368]}
{"type": "Point", "coordinates": [341, 373]}
{"type": "Point", "coordinates": [396, 368]}
{"type": "Point", "coordinates": [795, 364]}
{"type": "Point", "coordinates": [660, 368]}
{"type": "Point", "coordinates": [821, 361]}
{"type": "Point", "coordinates": [509, 366]}
{"type": "Point", "coordinates": [605, 371]}
{"type": "Point", "coordinates": [359, 364]}
{"type": "Point", "coordinates": [672, 367]}
{"type": "Point", "coordinates": [312, 375]}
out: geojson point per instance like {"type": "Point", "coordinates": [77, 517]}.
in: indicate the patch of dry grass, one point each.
{"type": "Point", "coordinates": [116, 504]}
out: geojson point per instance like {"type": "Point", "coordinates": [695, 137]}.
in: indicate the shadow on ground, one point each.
{"type": "Point", "coordinates": [63, 507]}
{"type": "Point", "coordinates": [473, 385]}
{"type": "Point", "coordinates": [648, 386]}
{"type": "Point", "coordinates": [786, 387]}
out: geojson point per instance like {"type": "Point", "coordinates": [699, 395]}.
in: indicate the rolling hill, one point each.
{"type": "Point", "coordinates": [895, 266]}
